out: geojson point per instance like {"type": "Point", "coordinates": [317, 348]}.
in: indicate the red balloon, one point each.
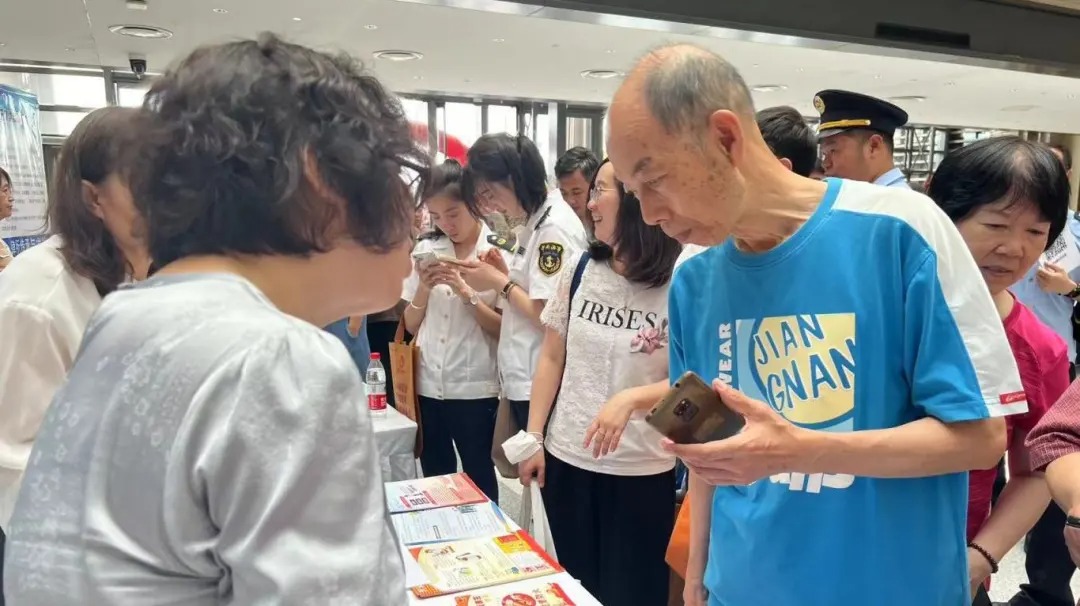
{"type": "Point", "coordinates": [451, 145]}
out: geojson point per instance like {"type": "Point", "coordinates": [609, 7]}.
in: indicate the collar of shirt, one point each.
{"type": "Point", "coordinates": [540, 212]}
{"type": "Point", "coordinates": [893, 177]}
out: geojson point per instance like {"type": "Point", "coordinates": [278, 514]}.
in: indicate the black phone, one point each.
{"type": "Point", "coordinates": [692, 413]}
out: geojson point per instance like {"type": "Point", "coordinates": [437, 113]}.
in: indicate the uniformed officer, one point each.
{"type": "Point", "coordinates": [856, 137]}
{"type": "Point", "coordinates": [507, 173]}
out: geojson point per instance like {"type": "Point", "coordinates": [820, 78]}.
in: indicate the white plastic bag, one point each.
{"type": "Point", "coordinates": [535, 519]}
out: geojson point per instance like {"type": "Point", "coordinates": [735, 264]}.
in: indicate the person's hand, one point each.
{"type": "Point", "coordinates": [495, 259]}
{"type": "Point", "coordinates": [355, 324]}
{"type": "Point", "coordinates": [452, 278]}
{"type": "Point", "coordinates": [978, 569]}
{"type": "Point", "coordinates": [533, 466]}
{"type": "Point", "coordinates": [429, 274]}
{"type": "Point", "coordinates": [607, 428]}
{"type": "Point", "coordinates": [1072, 540]}
{"type": "Point", "coordinates": [483, 276]}
{"type": "Point", "coordinates": [1053, 279]}
{"type": "Point", "coordinates": [694, 594]}
{"type": "Point", "coordinates": [767, 445]}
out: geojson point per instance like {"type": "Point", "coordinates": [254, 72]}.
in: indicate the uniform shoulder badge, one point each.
{"type": "Point", "coordinates": [550, 258]}
{"type": "Point", "coordinates": [501, 242]}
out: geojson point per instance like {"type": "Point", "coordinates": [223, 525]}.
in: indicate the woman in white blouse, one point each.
{"type": "Point", "coordinates": [49, 292]}
{"type": "Point", "coordinates": [609, 489]}
{"type": "Point", "coordinates": [457, 331]}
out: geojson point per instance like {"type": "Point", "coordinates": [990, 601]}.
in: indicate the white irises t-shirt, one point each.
{"type": "Point", "coordinates": [617, 339]}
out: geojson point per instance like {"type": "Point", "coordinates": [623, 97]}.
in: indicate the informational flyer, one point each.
{"type": "Point", "coordinates": [431, 493]}
{"type": "Point", "coordinates": [473, 564]}
{"type": "Point", "coordinates": [1063, 252]}
{"type": "Point", "coordinates": [22, 157]}
{"type": "Point", "coordinates": [450, 524]}
{"type": "Point", "coordinates": [539, 593]}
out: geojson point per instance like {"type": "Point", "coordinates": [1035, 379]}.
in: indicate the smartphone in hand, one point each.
{"type": "Point", "coordinates": [692, 413]}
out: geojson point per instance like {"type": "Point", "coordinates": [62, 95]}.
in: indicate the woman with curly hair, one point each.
{"type": "Point", "coordinates": [211, 445]}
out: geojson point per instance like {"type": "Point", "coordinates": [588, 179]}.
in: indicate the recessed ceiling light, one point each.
{"type": "Point", "coordinates": [398, 55]}
{"type": "Point", "coordinates": [601, 74]}
{"type": "Point", "coordinates": [3, 44]}
{"type": "Point", "coordinates": [371, 26]}
{"type": "Point", "coordinates": [800, 69]}
{"type": "Point", "coordinates": [417, 77]}
{"type": "Point", "coordinates": [69, 49]}
{"type": "Point", "coordinates": [141, 31]}
{"type": "Point", "coordinates": [297, 19]}
{"type": "Point", "coordinates": [221, 11]}
{"type": "Point", "coordinates": [914, 98]}
{"type": "Point", "coordinates": [877, 76]}
{"type": "Point", "coordinates": [610, 51]}
{"type": "Point", "coordinates": [950, 83]}
{"type": "Point", "coordinates": [769, 88]}
{"type": "Point", "coordinates": [498, 40]}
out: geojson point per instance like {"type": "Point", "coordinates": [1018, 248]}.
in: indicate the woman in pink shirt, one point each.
{"type": "Point", "coordinates": [1009, 198]}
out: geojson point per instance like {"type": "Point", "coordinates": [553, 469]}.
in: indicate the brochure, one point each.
{"type": "Point", "coordinates": [432, 493]}
{"type": "Point", "coordinates": [475, 563]}
{"type": "Point", "coordinates": [450, 524]}
{"type": "Point", "coordinates": [539, 593]}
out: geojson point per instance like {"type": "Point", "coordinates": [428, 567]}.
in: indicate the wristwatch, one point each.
{"type": "Point", "coordinates": [1072, 521]}
{"type": "Point", "coordinates": [473, 299]}
{"type": "Point", "coordinates": [1074, 293]}
{"type": "Point", "coordinates": [510, 284]}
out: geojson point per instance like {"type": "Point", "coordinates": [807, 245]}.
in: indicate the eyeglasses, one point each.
{"type": "Point", "coordinates": [594, 195]}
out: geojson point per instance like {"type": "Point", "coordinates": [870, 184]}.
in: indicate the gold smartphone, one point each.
{"type": "Point", "coordinates": [692, 413]}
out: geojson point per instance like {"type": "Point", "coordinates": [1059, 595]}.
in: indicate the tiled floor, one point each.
{"type": "Point", "coordinates": [1003, 587]}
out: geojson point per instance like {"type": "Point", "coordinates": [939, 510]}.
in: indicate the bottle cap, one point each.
{"type": "Point", "coordinates": [376, 355]}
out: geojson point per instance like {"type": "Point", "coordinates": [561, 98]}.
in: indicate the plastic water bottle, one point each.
{"type": "Point", "coordinates": [375, 380]}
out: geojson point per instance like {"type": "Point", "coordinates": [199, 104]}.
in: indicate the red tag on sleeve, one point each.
{"type": "Point", "coordinates": [1012, 398]}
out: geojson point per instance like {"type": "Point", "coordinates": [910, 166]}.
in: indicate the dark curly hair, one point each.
{"type": "Point", "coordinates": [103, 143]}
{"type": "Point", "coordinates": [233, 126]}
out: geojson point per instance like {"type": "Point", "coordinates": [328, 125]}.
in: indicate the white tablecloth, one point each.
{"type": "Point", "coordinates": [396, 436]}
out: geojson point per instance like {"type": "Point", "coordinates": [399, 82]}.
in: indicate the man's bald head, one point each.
{"type": "Point", "coordinates": [684, 84]}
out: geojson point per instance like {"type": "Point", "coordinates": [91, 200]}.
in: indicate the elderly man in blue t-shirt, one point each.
{"type": "Point", "coordinates": [850, 326]}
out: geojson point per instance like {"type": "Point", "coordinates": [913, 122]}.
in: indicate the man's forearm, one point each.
{"type": "Point", "coordinates": [921, 448]}
{"type": "Point", "coordinates": [1063, 477]}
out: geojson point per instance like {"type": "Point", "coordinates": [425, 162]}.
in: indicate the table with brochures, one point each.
{"type": "Point", "coordinates": [461, 549]}
{"type": "Point", "coordinates": [395, 435]}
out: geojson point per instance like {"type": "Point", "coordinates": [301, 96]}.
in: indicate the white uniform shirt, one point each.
{"type": "Point", "coordinates": [457, 358]}
{"type": "Point", "coordinates": [44, 309]}
{"type": "Point", "coordinates": [618, 339]}
{"type": "Point", "coordinates": [552, 235]}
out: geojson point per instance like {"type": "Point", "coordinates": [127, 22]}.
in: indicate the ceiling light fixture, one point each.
{"type": "Point", "coordinates": [69, 49]}
{"type": "Point", "coordinates": [398, 55]}
{"type": "Point", "coordinates": [371, 26]}
{"type": "Point", "coordinates": [601, 74]}
{"type": "Point", "coordinates": [146, 32]}
{"type": "Point", "coordinates": [769, 88]}
{"type": "Point", "coordinates": [221, 11]}
{"type": "Point", "coordinates": [610, 51]}
{"type": "Point", "coordinates": [498, 40]}
{"type": "Point", "coordinates": [914, 98]}
{"type": "Point", "coordinates": [297, 19]}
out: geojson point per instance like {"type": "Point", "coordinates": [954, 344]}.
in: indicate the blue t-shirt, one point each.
{"type": "Point", "coordinates": [1053, 309]}
{"type": "Point", "coordinates": [871, 316]}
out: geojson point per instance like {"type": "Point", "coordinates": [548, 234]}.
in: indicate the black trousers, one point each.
{"type": "Point", "coordinates": [519, 409]}
{"type": "Point", "coordinates": [467, 424]}
{"type": "Point", "coordinates": [611, 532]}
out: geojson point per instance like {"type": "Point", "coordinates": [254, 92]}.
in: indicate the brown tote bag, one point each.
{"type": "Point", "coordinates": [404, 358]}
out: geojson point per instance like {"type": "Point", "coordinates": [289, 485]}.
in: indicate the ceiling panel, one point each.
{"type": "Point", "coordinates": [529, 54]}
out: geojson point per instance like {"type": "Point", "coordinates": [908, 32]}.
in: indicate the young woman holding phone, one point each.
{"type": "Point", "coordinates": [457, 332]}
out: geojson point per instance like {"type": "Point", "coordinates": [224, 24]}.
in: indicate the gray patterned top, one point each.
{"type": "Point", "coordinates": [206, 449]}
